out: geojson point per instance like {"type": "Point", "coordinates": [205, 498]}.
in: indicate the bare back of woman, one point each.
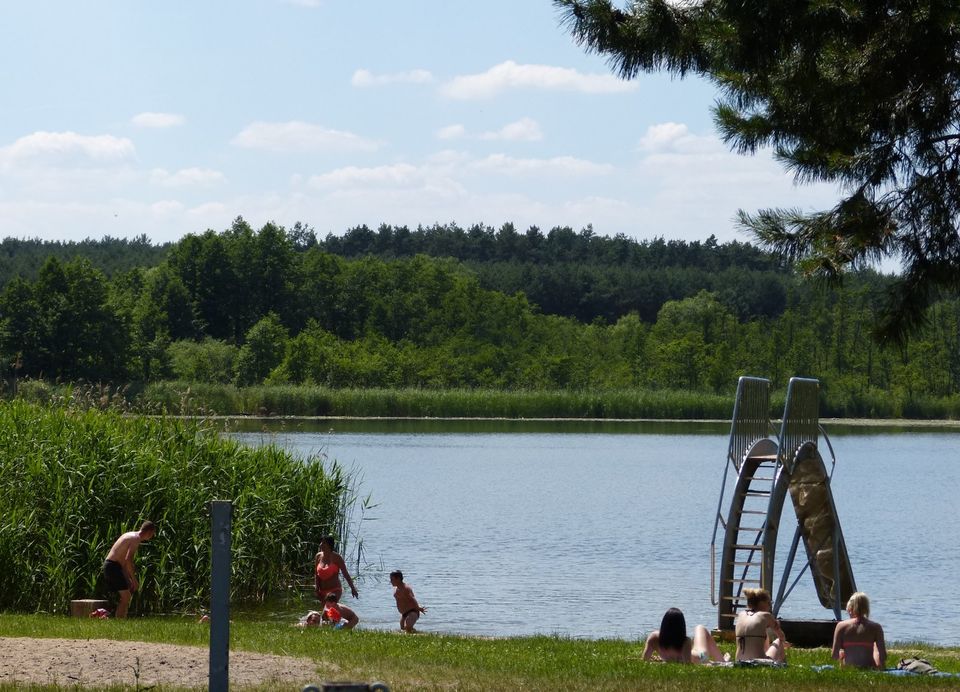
{"type": "Point", "coordinates": [752, 627]}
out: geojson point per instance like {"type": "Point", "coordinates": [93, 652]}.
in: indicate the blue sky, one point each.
{"type": "Point", "coordinates": [125, 117]}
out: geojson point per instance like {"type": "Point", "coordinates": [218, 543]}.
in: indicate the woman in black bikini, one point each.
{"type": "Point", "coordinates": [753, 642]}
{"type": "Point", "coordinates": [671, 642]}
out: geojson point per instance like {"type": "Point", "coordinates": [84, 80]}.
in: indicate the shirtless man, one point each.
{"type": "Point", "coordinates": [118, 567]}
{"type": "Point", "coordinates": [752, 626]}
{"type": "Point", "coordinates": [858, 641]}
{"type": "Point", "coordinates": [407, 603]}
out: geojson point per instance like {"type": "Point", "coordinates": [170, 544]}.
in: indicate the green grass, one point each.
{"type": "Point", "coordinates": [429, 661]}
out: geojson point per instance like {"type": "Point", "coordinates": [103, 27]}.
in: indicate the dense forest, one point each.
{"type": "Point", "coordinates": [445, 307]}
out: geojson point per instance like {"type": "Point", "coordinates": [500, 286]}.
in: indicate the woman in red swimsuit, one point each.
{"type": "Point", "coordinates": [329, 565]}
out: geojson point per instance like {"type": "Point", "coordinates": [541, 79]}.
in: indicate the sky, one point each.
{"type": "Point", "coordinates": [127, 117]}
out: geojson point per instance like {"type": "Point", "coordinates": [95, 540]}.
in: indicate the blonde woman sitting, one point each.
{"type": "Point", "coordinates": [859, 641]}
{"type": "Point", "coordinates": [753, 627]}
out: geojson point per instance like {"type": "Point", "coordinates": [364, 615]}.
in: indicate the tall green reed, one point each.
{"type": "Point", "coordinates": [72, 480]}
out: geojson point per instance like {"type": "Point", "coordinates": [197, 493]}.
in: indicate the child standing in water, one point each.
{"type": "Point", "coordinates": [407, 603]}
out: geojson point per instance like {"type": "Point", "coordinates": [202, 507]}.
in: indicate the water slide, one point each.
{"type": "Point", "coordinates": [767, 471]}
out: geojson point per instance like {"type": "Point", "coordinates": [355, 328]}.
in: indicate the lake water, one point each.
{"type": "Point", "coordinates": [593, 530]}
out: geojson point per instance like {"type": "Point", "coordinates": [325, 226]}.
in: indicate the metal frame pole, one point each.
{"type": "Point", "coordinates": [221, 512]}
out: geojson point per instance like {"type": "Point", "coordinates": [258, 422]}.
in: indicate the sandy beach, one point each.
{"type": "Point", "coordinates": [100, 662]}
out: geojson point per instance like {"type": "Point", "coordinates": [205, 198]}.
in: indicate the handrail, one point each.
{"type": "Point", "coordinates": [833, 455]}
{"type": "Point", "coordinates": [750, 422]}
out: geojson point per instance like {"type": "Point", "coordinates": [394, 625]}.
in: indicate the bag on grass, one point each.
{"type": "Point", "coordinates": [919, 666]}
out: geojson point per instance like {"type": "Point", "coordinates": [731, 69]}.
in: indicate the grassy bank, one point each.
{"type": "Point", "coordinates": [193, 398]}
{"type": "Point", "coordinates": [72, 480]}
{"type": "Point", "coordinates": [429, 661]}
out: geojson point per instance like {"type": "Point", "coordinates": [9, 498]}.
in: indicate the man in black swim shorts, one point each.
{"type": "Point", "coordinates": [118, 567]}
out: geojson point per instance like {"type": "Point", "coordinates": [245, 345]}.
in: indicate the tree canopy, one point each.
{"type": "Point", "coordinates": [861, 93]}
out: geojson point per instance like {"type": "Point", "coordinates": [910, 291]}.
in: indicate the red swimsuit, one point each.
{"type": "Point", "coordinates": [327, 581]}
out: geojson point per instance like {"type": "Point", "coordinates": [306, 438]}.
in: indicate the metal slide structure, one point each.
{"type": "Point", "coordinates": [768, 466]}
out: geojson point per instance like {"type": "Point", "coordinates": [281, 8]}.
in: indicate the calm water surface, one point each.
{"type": "Point", "coordinates": [595, 532]}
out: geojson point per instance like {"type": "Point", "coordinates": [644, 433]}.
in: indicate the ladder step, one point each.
{"type": "Point", "coordinates": [741, 581]}
{"type": "Point", "coordinates": [751, 528]}
{"type": "Point", "coordinates": [731, 598]}
{"type": "Point", "coordinates": [752, 511]}
{"type": "Point", "coordinates": [759, 478]}
{"type": "Point", "coordinates": [746, 546]}
{"type": "Point", "coordinates": [756, 493]}
{"type": "Point", "coordinates": [763, 457]}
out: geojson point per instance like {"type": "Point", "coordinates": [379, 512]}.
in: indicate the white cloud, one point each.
{"type": "Point", "coordinates": [167, 207]}
{"type": "Point", "coordinates": [677, 138]}
{"type": "Point", "coordinates": [186, 177]}
{"type": "Point", "coordinates": [525, 129]}
{"type": "Point", "coordinates": [398, 175]}
{"type": "Point", "coordinates": [365, 78]}
{"type": "Point", "coordinates": [558, 165]}
{"type": "Point", "coordinates": [211, 210]}
{"type": "Point", "coordinates": [297, 136]}
{"type": "Point", "coordinates": [451, 132]}
{"type": "Point", "coordinates": [157, 120]}
{"type": "Point", "coordinates": [510, 75]}
{"type": "Point", "coordinates": [67, 149]}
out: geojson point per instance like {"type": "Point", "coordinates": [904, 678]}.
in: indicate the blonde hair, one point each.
{"type": "Point", "coordinates": [756, 596]}
{"type": "Point", "coordinates": [859, 604]}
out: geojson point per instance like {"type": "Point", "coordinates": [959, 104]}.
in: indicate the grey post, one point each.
{"type": "Point", "coordinates": [220, 515]}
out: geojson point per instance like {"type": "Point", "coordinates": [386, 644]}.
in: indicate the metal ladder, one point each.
{"type": "Point", "coordinates": [753, 457]}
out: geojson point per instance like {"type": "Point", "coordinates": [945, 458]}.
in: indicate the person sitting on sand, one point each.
{"type": "Point", "coordinates": [752, 627]}
{"type": "Point", "coordinates": [407, 603]}
{"type": "Point", "coordinates": [858, 641]}
{"type": "Point", "coordinates": [118, 569]}
{"type": "Point", "coordinates": [337, 615]}
{"type": "Point", "coordinates": [671, 643]}
{"type": "Point", "coordinates": [329, 567]}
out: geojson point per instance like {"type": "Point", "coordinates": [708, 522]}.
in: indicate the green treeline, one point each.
{"type": "Point", "coordinates": [483, 310]}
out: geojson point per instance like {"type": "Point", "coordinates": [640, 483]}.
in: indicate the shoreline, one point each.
{"type": "Point", "coordinates": [852, 422]}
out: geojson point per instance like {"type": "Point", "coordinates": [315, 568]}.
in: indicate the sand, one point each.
{"type": "Point", "coordinates": [100, 662]}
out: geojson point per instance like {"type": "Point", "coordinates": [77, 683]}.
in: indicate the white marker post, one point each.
{"type": "Point", "coordinates": [220, 521]}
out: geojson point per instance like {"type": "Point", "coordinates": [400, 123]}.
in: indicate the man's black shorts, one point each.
{"type": "Point", "coordinates": [114, 576]}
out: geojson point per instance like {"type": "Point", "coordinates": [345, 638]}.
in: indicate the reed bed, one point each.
{"type": "Point", "coordinates": [303, 400]}
{"type": "Point", "coordinates": [73, 480]}
{"type": "Point", "coordinates": [203, 399]}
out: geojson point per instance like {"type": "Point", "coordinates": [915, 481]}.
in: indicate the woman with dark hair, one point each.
{"type": "Point", "coordinates": [671, 643]}
{"type": "Point", "coordinates": [329, 567]}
